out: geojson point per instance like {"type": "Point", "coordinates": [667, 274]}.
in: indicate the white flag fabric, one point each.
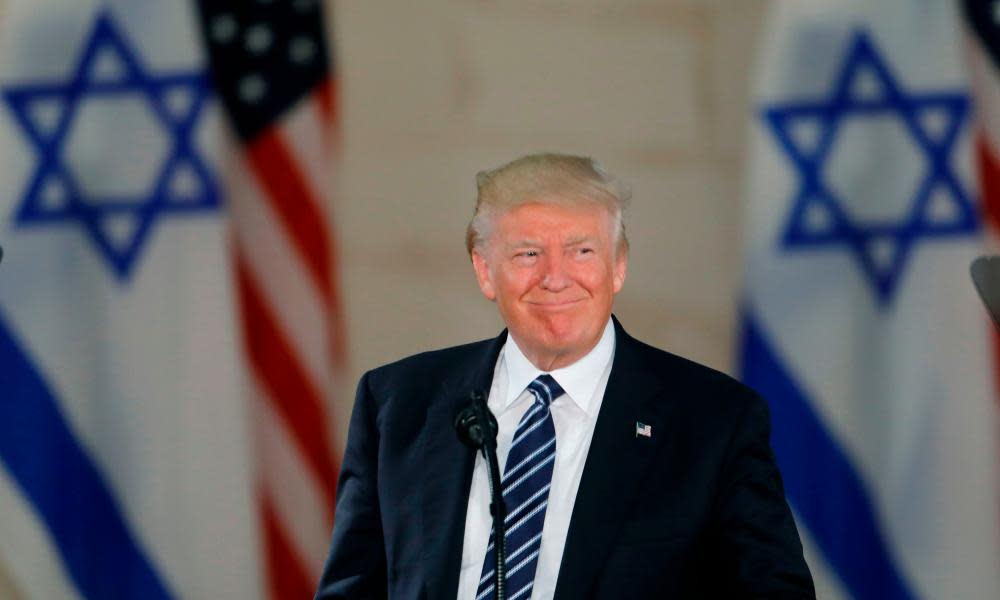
{"type": "Point", "coordinates": [124, 454]}
{"type": "Point", "coordinates": [860, 323]}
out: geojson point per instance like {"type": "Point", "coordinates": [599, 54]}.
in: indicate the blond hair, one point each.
{"type": "Point", "coordinates": [548, 179]}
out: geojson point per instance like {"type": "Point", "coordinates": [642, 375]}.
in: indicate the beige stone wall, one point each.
{"type": "Point", "coordinates": [434, 91]}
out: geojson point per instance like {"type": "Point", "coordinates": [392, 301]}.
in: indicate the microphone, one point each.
{"type": "Point", "coordinates": [477, 428]}
{"type": "Point", "coordinates": [474, 426]}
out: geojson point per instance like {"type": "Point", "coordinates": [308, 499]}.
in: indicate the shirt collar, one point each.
{"type": "Point", "coordinates": [579, 380]}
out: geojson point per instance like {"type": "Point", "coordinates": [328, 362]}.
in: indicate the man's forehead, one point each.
{"type": "Point", "coordinates": [564, 231]}
{"type": "Point", "coordinates": [570, 239]}
{"type": "Point", "coordinates": [550, 221]}
{"type": "Point", "coordinates": [567, 216]}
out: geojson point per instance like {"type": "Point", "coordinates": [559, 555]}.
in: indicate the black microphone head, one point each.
{"type": "Point", "coordinates": [468, 429]}
{"type": "Point", "coordinates": [470, 420]}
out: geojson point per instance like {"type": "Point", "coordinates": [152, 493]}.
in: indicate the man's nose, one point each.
{"type": "Point", "coordinates": [555, 278]}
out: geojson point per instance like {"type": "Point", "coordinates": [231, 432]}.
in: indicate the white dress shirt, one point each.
{"type": "Point", "coordinates": [574, 415]}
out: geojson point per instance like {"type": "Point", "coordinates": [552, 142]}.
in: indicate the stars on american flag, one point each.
{"type": "Point", "coordinates": [266, 55]}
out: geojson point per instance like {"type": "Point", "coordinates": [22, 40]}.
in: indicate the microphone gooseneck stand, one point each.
{"type": "Point", "coordinates": [477, 428]}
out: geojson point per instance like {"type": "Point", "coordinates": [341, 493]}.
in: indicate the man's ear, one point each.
{"type": "Point", "coordinates": [483, 275]}
{"type": "Point", "coordinates": [621, 269]}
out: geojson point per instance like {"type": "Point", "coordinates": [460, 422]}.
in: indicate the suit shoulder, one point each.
{"type": "Point", "coordinates": [431, 359]}
{"type": "Point", "coordinates": [433, 365]}
{"type": "Point", "coordinates": [698, 397]}
{"type": "Point", "coordinates": [702, 382]}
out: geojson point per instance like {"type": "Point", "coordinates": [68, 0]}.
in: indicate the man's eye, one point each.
{"type": "Point", "coordinates": [529, 253]}
{"type": "Point", "coordinates": [586, 250]}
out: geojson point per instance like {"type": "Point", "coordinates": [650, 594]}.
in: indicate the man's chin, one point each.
{"type": "Point", "coordinates": [565, 340]}
{"type": "Point", "coordinates": [561, 326]}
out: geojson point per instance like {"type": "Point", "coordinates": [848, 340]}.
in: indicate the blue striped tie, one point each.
{"type": "Point", "coordinates": [527, 477]}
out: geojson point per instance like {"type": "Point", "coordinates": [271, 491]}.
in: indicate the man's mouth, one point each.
{"type": "Point", "coordinates": [557, 305]}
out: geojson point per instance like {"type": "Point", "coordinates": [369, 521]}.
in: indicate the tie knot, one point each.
{"type": "Point", "coordinates": [545, 389]}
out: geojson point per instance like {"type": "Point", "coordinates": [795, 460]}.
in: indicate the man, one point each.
{"type": "Point", "coordinates": [627, 472]}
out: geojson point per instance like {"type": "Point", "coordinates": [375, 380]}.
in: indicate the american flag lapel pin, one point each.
{"type": "Point", "coordinates": [643, 429]}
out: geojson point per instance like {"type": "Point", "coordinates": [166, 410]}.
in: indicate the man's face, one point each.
{"type": "Point", "coordinates": [553, 272]}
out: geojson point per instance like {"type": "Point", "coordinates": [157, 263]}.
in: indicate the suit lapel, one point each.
{"type": "Point", "coordinates": [616, 463]}
{"type": "Point", "coordinates": [448, 474]}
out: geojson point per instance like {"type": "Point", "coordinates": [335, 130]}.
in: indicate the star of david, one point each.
{"type": "Point", "coordinates": [109, 81]}
{"type": "Point", "coordinates": [866, 90]}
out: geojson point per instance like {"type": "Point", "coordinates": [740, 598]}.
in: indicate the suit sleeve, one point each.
{"type": "Point", "coordinates": [757, 542]}
{"type": "Point", "coordinates": [356, 566]}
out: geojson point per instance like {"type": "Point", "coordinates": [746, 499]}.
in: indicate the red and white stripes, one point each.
{"type": "Point", "coordinates": [293, 336]}
{"type": "Point", "coordinates": [985, 78]}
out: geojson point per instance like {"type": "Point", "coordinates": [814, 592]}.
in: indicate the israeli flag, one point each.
{"type": "Point", "coordinates": [124, 459]}
{"type": "Point", "coordinates": [860, 325]}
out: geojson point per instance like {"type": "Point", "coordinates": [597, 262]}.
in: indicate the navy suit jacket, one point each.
{"type": "Point", "coordinates": [695, 510]}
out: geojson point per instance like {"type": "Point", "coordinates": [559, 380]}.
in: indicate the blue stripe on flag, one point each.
{"type": "Point", "coordinates": [65, 488]}
{"type": "Point", "coordinates": [827, 493]}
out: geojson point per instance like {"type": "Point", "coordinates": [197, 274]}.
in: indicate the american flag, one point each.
{"type": "Point", "coordinates": [983, 52]}
{"type": "Point", "coordinates": [643, 429]}
{"type": "Point", "coordinates": [983, 55]}
{"type": "Point", "coordinates": [272, 71]}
